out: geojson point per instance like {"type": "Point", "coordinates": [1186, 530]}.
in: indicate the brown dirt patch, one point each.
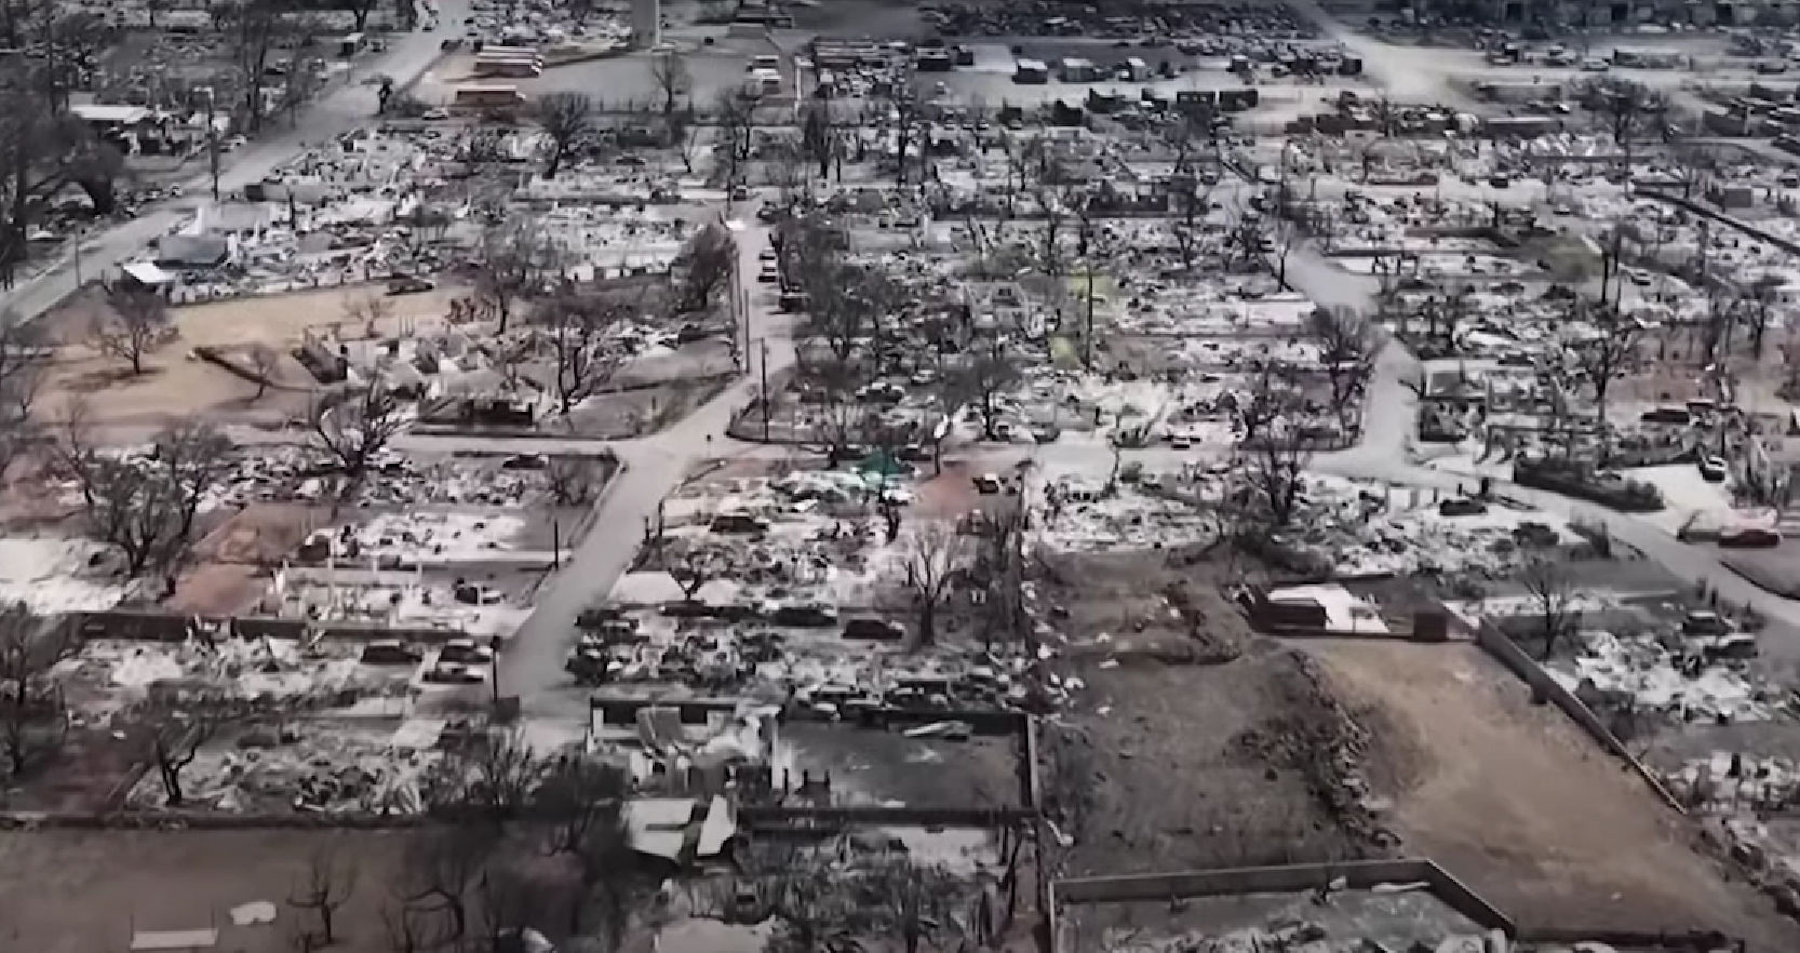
{"type": "Point", "coordinates": [219, 590]}
{"type": "Point", "coordinates": [91, 772]}
{"type": "Point", "coordinates": [177, 384]}
{"type": "Point", "coordinates": [67, 891]}
{"type": "Point", "coordinates": [1198, 744]}
{"type": "Point", "coordinates": [261, 534]}
{"type": "Point", "coordinates": [1515, 800]}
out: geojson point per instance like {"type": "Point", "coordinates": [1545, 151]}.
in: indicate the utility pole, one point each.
{"type": "Point", "coordinates": [212, 138]}
{"type": "Point", "coordinates": [1087, 339]}
{"type": "Point", "coordinates": [765, 388]}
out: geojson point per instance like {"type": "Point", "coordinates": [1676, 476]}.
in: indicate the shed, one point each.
{"type": "Point", "coordinates": [147, 274]}
{"type": "Point", "coordinates": [174, 941]}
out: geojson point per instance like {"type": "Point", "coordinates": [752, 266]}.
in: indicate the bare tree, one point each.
{"type": "Point", "coordinates": [577, 796]}
{"type": "Point", "coordinates": [905, 110]}
{"type": "Point", "coordinates": [145, 505]}
{"type": "Point", "coordinates": [734, 136]}
{"type": "Point", "coordinates": [818, 135]}
{"type": "Point", "coordinates": [571, 481]}
{"type": "Point", "coordinates": [576, 329]}
{"type": "Point", "coordinates": [176, 743]}
{"type": "Point", "coordinates": [1551, 591]}
{"type": "Point", "coordinates": [707, 263]}
{"type": "Point", "coordinates": [328, 884]}
{"type": "Point", "coordinates": [254, 30]}
{"type": "Point", "coordinates": [33, 717]}
{"type": "Point", "coordinates": [515, 260]}
{"type": "Point", "coordinates": [692, 564]}
{"type": "Point", "coordinates": [134, 324]}
{"type": "Point", "coordinates": [613, 875]}
{"type": "Point", "coordinates": [1274, 472]}
{"type": "Point", "coordinates": [354, 427]}
{"type": "Point", "coordinates": [263, 362]}
{"type": "Point", "coordinates": [22, 366]}
{"type": "Point", "coordinates": [917, 903]}
{"type": "Point", "coordinates": [567, 119]}
{"type": "Point", "coordinates": [1271, 394]}
{"type": "Point", "coordinates": [1347, 348]}
{"type": "Point", "coordinates": [669, 73]}
{"type": "Point", "coordinates": [368, 311]}
{"type": "Point", "coordinates": [1628, 109]}
{"type": "Point", "coordinates": [1605, 355]}
{"type": "Point", "coordinates": [683, 136]}
{"type": "Point", "coordinates": [987, 375]}
{"type": "Point", "coordinates": [806, 899]}
{"type": "Point", "coordinates": [933, 553]}
{"type": "Point", "coordinates": [442, 866]}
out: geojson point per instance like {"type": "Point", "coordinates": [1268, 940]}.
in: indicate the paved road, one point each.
{"type": "Point", "coordinates": [532, 666]}
{"type": "Point", "coordinates": [345, 108]}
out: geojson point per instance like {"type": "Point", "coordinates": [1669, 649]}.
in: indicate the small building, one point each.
{"type": "Point", "coordinates": [1075, 69]}
{"type": "Point", "coordinates": [935, 60]}
{"type": "Point", "coordinates": [1032, 72]}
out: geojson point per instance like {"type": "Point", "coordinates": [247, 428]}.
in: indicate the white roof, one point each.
{"type": "Point", "coordinates": [147, 273]}
{"type": "Point", "coordinates": [95, 112]}
{"type": "Point", "coordinates": [173, 940]}
{"type": "Point", "coordinates": [1344, 612]}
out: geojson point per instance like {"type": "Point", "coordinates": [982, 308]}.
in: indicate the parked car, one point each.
{"type": "Point", "coordinates": [1749, 537]}
{"type": "Point", "coordinates": [455, 673]}
{"type": "Point", "coordinates": [874, 630]}
{"type": "Point", "coordinates": [407, 284]}
{"type": "Point", "coordinates": [1713, 469]}
{"type": "Point", "coordinates": [988, 484]}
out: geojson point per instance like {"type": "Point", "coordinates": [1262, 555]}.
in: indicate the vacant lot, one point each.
{"type": "Point", "coordinates": [1198, 744]}
{"type": "Point", "coordinates": [1516, 801]}
{"type": "Point", "coordinates": [176, 384]}
{"type": "Point", "coordinates": [85, 891]}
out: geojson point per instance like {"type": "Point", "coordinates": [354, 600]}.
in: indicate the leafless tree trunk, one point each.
{"type": "Point", "coordinates": [327, 885]}
{"type": "Point", "coordinates": [669, 72]}
{"type": "Point", "coordinates": [1347, 347]}
{"type": "Point", "coordinates": [32, 715]}
{"type": "Point", "coordinates": [263, 362]}
{"type": "Point", "coordinates": [138, 321]}
{"type": "Point", "coordinates": [357, 427]}
{"type": "Point", "coordinates": [708, 263]}
{"type": "Point", "coordinates": [568, 122]}
{"type": "Point", "coordinates": [933, 554]}
{"type": "Point", "coordinates": [1552, 593]}
{"type": "Point", "coordinates": [22, 368]}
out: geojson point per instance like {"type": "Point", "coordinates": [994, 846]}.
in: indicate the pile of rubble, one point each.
{"type": "Point", "coordinates": [312, 767]}
{"type": "Point", "coordinates": [1320, 739]}
{"type": "Point", "coordinates": [1687, 679]}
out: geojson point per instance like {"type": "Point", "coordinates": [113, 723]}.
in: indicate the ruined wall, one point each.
{"type": "Point", "coordinates": [1497, 644]}
{"type": "Point", "coordinates": [1294, 878]}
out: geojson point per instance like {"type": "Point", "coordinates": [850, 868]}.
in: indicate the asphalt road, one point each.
{"type": "Point", "coordinates": [532, 666]}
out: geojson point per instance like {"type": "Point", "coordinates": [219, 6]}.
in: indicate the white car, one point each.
{"type": "Point", "coordinates": [1595, 64]}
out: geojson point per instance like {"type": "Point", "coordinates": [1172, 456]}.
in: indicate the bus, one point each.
{"type": "Point", "coordinates": [488, 95]}
{"type": "Point", "coordinates": [508, 67]}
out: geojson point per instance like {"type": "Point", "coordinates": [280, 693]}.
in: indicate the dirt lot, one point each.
{"type": "Point", "coordinates": [83, 891]}
{"type": "Point", "coordinates": [1187, 699]}
{"type": "Point", "coordinates": [177, 384]}
{"type": "Point", "coordinates": [1514, 800]}
{"type": "Point", "coordinates": [871, 766]}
